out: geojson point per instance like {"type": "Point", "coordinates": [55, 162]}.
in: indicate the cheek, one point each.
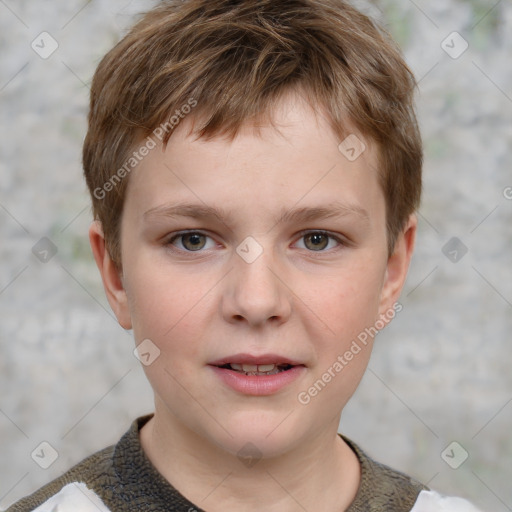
{"type": "Point", "coordinates": [169, 308]}
{"type": "Point", "coordinates": [349, 305]}
{"type": "Point", "coordinates": [345, 303]}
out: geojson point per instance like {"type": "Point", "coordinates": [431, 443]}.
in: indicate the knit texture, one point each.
{"type": "Point", "coordinates": [124, 478]}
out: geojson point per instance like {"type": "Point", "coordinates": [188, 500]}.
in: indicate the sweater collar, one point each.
{"type": "Point", "coordinates": [142, 483]}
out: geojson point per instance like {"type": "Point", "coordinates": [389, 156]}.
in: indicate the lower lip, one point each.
{"type": "Point", "coordinates": [258, 385]}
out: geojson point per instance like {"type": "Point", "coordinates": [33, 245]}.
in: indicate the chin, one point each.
{"type": "Point", "coordinates": [265, 434]}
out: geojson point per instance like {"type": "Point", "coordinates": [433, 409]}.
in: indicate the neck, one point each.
{"type": "Point", "coordinates": [320, 473]}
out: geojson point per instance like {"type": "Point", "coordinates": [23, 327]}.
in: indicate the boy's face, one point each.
{"type": "Point", "coordinates": [212, 298]}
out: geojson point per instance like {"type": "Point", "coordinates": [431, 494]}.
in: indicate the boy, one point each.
{"type": "Point", "coordinates": [254, 168]}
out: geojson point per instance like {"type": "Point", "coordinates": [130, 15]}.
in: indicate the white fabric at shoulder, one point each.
{"type": "Point", "coordinates": [431, 501]}
{"type": "Point", "coordinates": [74, 497]}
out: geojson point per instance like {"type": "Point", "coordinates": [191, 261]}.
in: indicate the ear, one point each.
{"type": "Point", "coordinates": [110, 275]}
{"type": "Point", "coordinates": [397, 268]}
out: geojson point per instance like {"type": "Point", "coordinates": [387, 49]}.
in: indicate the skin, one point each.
{"type": "Point", "coordinates": [300, 300]}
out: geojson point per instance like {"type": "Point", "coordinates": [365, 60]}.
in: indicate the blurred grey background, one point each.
{"type": "Point", "coordinates": [436, 401]}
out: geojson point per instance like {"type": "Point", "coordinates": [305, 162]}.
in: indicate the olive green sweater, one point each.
{"type": "Point", "coordinates": [124, 478]}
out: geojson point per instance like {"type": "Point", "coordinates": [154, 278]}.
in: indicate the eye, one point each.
{"type": "Point", "coordinates": [191, 241]}
{"type": "Point", "coordinates": [317, 241]}
{"type": "Point", "coordinates": [195, 241]}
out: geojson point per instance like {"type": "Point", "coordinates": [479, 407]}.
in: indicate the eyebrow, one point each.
{"type": "Point", "coordinates": [297, 215]}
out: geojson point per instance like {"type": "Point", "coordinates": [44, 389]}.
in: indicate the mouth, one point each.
{"type": "Point", "coordinates": [258, 375]}
{"type": "Point", "coordinates": [257, 369]}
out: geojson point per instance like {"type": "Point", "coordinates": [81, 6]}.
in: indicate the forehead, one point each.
{"type": "Point", "coordinates": [296, 160]}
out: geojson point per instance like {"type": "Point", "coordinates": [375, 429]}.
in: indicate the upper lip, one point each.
{"type": "Point", "coordinates": [255, 359]}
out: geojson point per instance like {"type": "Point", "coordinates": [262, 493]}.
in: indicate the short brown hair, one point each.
{"type": "Point", "coordinates": [235, 59]}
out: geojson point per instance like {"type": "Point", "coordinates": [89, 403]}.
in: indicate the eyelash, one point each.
{"type": "Point", "coordinates": [302, 234]}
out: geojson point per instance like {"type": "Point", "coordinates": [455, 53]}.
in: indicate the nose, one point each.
{"type": "Point", "coordinates": [256, 292]}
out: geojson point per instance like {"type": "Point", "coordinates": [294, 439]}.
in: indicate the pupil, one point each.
{"type": "Point", "coordinates": [195, 240]}
{"type": "Point", "coordinates": [317, 239]}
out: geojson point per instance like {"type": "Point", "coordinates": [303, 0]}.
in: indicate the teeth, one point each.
{"type": "Point", "coordinates": [254, 368]}
{"type": "Point", "coordinates": [266, 367]}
